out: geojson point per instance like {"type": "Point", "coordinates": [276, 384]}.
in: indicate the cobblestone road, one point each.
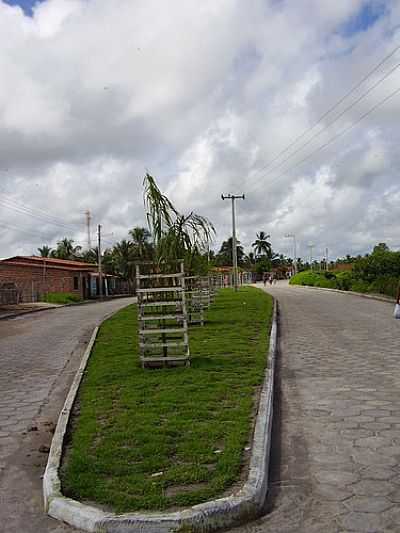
{"type": "Point", "coordinates": [338, 423]}
{"type": "Point", "coordinates": [39, 355]}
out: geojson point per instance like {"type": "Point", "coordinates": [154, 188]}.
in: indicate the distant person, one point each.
{"type": "Point", "coordinates": [397, 306]}
{"type": "Point", "coordinates": [265, 278]}
{"type": "Point", "coordinates": [271, 279]}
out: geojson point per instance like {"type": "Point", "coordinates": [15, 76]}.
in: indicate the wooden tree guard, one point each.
{"type": "Point", "coordinates": [205, 291]}
{"type": "Point", "coordinates": [163, 325]}
{"type": "Point", "coordinates": [194, 300]}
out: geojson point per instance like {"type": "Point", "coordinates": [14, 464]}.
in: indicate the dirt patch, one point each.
{"type": "Point", "coordinates": [175, 490]}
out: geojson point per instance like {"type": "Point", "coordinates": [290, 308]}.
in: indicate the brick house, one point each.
{"type": "Point", "coordinates": [33, 277]}
{"type": "Point", "coordinates": [36, 276]}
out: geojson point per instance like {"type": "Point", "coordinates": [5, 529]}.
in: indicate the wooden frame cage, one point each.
{"type": "Point", "coordinates": [194, 300]}
{"type": "Point", "coordinates": [204, 282]}
{"type": "Point", "coordinates": [163, 321]}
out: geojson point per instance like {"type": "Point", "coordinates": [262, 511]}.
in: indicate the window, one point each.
{"type": "Point", "coordinates": [76, 283]}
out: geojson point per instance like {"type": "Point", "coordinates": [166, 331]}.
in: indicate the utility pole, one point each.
{"type": "Point", "coordinates": [99, 261]}
{"type": "Point", "coordinates": [234, 197]}
{"type": "Point", "coordinates": [326, 258]}
{"type": "Point", "coordinates": [311, 246]}
{"type": "Point", "coordinates": [293, 236]}
{"type": "Point", "coordinates": [88, 219]}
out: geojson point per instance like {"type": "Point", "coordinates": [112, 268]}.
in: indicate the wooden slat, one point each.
{"type": "Point", "coordinates": [161, 317]}
{"type": "Point", "coordinates": [162, 344]}
{"type": "Point", "coordinates": [160, 289]}
{"type": "Point", "coordinates": [153, 331]}
{"type": "Point", "coordinates": [160, 276]}
{"type": "Point", "coordinates": [158, 359]}
{"type": "Point", "coordinates": [161, 303]}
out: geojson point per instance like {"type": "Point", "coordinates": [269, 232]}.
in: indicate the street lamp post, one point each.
{"type": "Point", "coordinates": [293, 236]}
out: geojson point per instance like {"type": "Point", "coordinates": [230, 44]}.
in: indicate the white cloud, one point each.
{"type": "Point", "coordinates": [204, 95]}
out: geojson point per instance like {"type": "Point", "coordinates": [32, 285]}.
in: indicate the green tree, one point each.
{"type": "Point", "coordinates": [261, 245]}
{"type": "Point", "coordinates": [90, 256]}
{"type": "Point", "coordinates": [66, 250]}
{"type": "Point", "coordinates": [224, 256]}
{"type": "Point", "coordinates": [175, 236]}
{"type": "Point", "coordinates": [141, 243]}
{"type": "Point", "coordinates": [44, 251]}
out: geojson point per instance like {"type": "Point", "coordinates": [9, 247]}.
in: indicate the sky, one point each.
{"type": "Point", "coordinates": [210, 98]}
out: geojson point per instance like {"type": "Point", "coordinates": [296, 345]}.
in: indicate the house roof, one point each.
{"type": "Point", "coordinates": [49, 262]}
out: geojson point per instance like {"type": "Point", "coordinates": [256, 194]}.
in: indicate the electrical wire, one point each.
{"type": "Point", "coordinates": [340, 115]}
{"type": "Point", "coordinates": [332, 108]}
{"type": "Point", "coordinates": [36, 213]}
{"type": "Point", "coordinates": [337, 136]}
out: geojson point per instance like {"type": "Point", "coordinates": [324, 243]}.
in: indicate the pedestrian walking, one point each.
{"type": "Point", "coordinates": [397, 306]}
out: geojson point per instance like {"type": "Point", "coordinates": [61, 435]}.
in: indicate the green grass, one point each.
{"type": "Point", "coordinates": [134, 424]}
{"type": "Point", "coordinates": [61, 298]}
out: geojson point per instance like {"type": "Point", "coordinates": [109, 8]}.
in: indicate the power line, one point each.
{"type": "Point", "coordinates": [22, 230]}
{"type": "Point", "coordinates": [324, 115]}
{"type": "Point", "coordinates": [335, 137]}
{"type": "Point", "coordinates": [36, 213]}
{"type": "Point", "coordinates": [340, 115]}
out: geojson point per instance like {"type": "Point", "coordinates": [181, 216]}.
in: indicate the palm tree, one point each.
{"type": "Point", "coordinates": [123, 260]}
{"type": "Point", "coordinates": [140, 241]}
{"type": "Point", "coordinates": [44, 251]}
{"type": "Point", "coordinates": [91, 255]}
{"type": "Point", "coordinates": [224, 256]}
{"type": "Point", "coordinates": [66, 249]}
{"type": "Point", "coordinates": [175, 236]}
{"type": "Point", "coordinates": [261, 245]}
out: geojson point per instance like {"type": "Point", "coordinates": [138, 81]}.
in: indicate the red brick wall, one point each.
{"type": "Point", "coordinates": [33, 282]}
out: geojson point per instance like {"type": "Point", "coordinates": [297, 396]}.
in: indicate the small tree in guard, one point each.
{"type": "Point", "coordinates": [205, 291]}
{"type": "Point", "coordinates": [194, 300]}
{"type": "Point", "coordinates": [163, 323]}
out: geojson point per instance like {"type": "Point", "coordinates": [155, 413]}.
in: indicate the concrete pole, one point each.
{"type": "Point", "coordinates": [234, 246]}
{"type": "Point", "coordinates": [99, 261]}
{"type": "Point", "coordinates": [233, 197]}
{"type": "Point", "coordinates": [88, 219]}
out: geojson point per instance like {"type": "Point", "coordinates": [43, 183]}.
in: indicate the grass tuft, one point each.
{"type": "Point", "coordinates": [156, 439]}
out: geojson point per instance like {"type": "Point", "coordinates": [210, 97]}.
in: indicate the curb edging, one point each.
{"type": "Point", "coordinates": [244, 505]}
{"type": "Point", "coordinates": [387, 299]}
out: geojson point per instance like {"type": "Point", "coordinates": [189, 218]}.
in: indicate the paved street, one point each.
{"type": "Point", "coordinates": [336, 449]}
{"type": "Point", "coordinates": [338, 423]}
{"type": "Point", "coordinates": [39, 354]}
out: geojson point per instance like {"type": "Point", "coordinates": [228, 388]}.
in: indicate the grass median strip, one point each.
{"type": "Point", "coordinates": [166, 438]}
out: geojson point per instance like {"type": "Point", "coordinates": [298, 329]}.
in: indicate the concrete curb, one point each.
{"type": "Point", "coordinates": [361, 294]}
{"type": "Point", "coordinates": [11, 316]}
{"type": "Point", "coordinates": [244, 505]}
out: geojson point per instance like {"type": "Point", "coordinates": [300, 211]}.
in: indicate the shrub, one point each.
{"type": "Point", "coordinates": [379, 264]}
{"type": "Point", "coordinates": [344, 280]}
{"type": "Point", "coordinates": [327, 283]}
{"type": "Point", "coordinates": [305, 278]}
{"type": "Point", "coordinates": [385, 285]}
{"type": "Point", "coordinates": [359, 285]}
{"type": "Point", "coordinates": [61, 298]}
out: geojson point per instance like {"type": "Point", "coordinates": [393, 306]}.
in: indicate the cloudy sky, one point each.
{"type": "Point", "coordinates": [210, 97]}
